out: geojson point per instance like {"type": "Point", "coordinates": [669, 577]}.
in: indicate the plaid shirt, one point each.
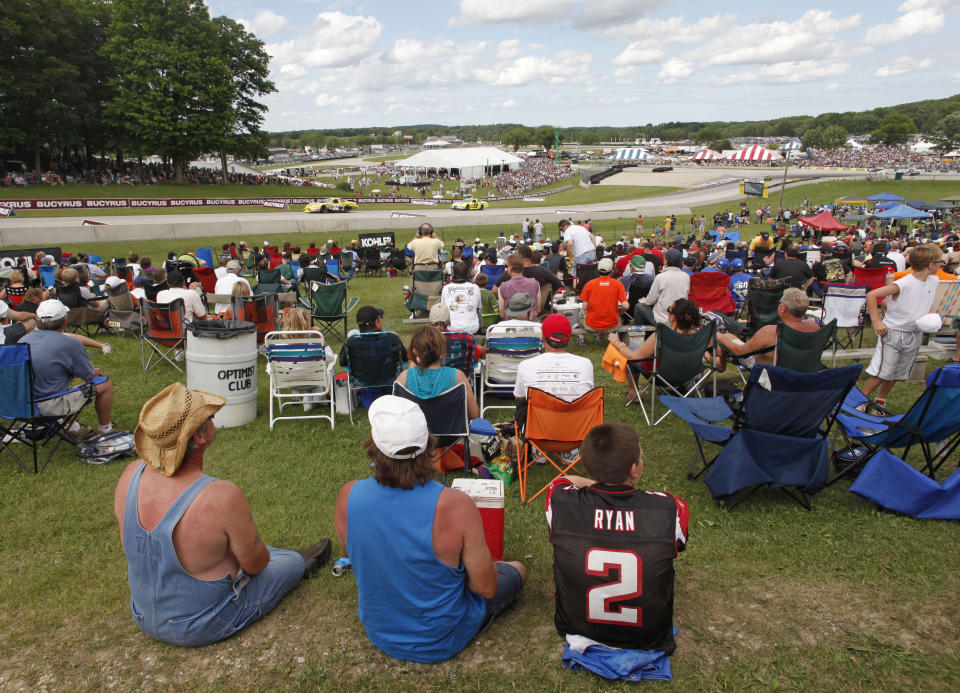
{"type": "Point", "coordinates": [461, 351]}
{"type": "Point", "coordinates": [373, 358]}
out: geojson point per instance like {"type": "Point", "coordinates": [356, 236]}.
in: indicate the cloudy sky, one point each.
{"type": "Point", "coordinates": [595, 62]}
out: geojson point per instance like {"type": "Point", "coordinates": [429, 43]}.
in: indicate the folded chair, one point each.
{"type": "Point", "coordinates": [162, 333]}
{"type": "Point", "coordinates": [847, 305]}
{"type": "Point", "coordinates": [300, 373]}
{"type": "Point", "coordinates": [329, 306]}
{"type": "Point", "coordinates": [506, 348]}
{"type": "Point", "coordinates": [553, 425]}
{"type": "Point", "coordinates": [895, 485]}
{"type": "Point", "coordinates": [932, 424]}
{"type": "Point", "coordinates": [20, 418]}
{"type": "Point", "coordinates": [446, 416]}
{"type": "Point", "coordinates": [777, 437]}
{"type": "Point", "coordinates": [711, 291]}
{"type": "Point", "coordinates": [262, 310]}
{"type": "Point", "coordinates": [677, 368]}
{"type": "Point", "coordinates": [373, 361]}
{"type": "Point", "coordinates": [426, 287]}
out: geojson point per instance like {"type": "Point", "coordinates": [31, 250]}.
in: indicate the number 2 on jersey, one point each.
{"type": "Point", "coordinates": [602, 599]}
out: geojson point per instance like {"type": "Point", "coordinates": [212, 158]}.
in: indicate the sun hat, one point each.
{"type": "Point", "coordinates": [439, 313]}
{"type": "Point", "coordinates": [51, 309]}
{"type": "Point", "coordinates": [605, 266]}
{"type": "Point", "coordinates": [233, 267]}
{"type": "Point", "coordinates": [557, 328]}
{"type": "Point", "coordinates": [167, 422]}
{"type": "Point", "coordinates": [397, 424]}
{"type": "Point", "coordinates": [519, 305]}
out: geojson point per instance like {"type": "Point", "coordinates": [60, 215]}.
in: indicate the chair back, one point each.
{"type": "Point", "coordinates": [460, 352]}
{"type": "Point", "coordinates": [801, 351]}
{"type": "Point", "coordinates": [557, 425]}
{"type": "Point", "coordinates": [260, 310]}
{"type": "Point", "coordinates": [120, 298]}
{"type": "Point", "coordinates": [871, 277]}
{"type": "Point", "coordinates": [16, 381]}
{"type": "Point", "coordinates": [844, 304]}
{"type": "Point", "coordinates": [763, 299]}
{"type": "Point", "coordinates": [711, 291]}
{"type": "Point", "coordinates": [269, 276]}
{"type": "Point", "coordinates": [373, 359]}
{"type": "Point", "coordinates": [206, 255]}
{"type": "Point", "coordinates": [328, 300]}
{"type": "Point", "coordinates": [69, 295]}
{"type": "Point", "coordinates": [47, 275]}
{"type": "Point", "coordinates": [679, 357]}
{"type": "Point", "coordinates": [446, 414]}
{"type": "Point", "coordinates": [207, 278]}
{"type": "Point", "coordinates": [346, 262]}
{"type": "Point", "coordinates": [371, 259]}
{"type": "Point", "coordinates": [506, 348]}
{"type": "Point", "coordinates": [935, 416]}
{"type": "Point", "coordinates": [333, 267]}
{"type": "Point", "coordinates": [151, 290]}
{"type": "Point", "coordinates": [585, 273]}
{"type": "Point", "coordinates": [296, 358]}
{"type": "Point", "coordinates": [427, 284]}
{"type": "Point", "coordinates": [493, 273]}
{"type": "Point", "coordinates": [165, 322]}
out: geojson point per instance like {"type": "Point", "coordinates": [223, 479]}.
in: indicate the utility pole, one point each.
{"type": "Point", "coordinates": [783, 183]}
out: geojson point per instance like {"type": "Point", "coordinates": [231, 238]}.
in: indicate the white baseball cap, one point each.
{"type": "Point", "coordinates": [398, 424]}
{"type": "Point", "coordinates": [52, 309]}
{"type": "Point", "coordinates": [113, 281]}
{"type": "Point", "coordinates": [605, 266]}
{"type": "Point", "coordinates": [929, 323]}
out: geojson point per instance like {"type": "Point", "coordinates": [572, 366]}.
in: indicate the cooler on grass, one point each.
{"type": "Point", "coordinates": [488, 495]}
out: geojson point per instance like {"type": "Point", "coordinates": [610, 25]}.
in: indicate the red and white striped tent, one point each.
{"type": "Point", "coordinates": [755, 152]}
{"type": "Point", "coordinates": [706, 155]}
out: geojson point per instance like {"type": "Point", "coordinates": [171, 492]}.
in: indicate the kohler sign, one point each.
{"type": "Point", "coordinates": [377, 240]}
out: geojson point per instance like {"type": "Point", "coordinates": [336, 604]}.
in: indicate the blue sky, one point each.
{"type": "Point", "coordinates": [595, 62]}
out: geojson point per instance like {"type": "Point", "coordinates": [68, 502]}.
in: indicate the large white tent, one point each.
{"type": "Point", "coordinates": [755, 152]}
{"type": "Point", "coordinates": [469, 162]}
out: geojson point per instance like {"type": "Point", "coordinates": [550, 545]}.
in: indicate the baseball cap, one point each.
{"type": "Point", "coordinates": [368, 315]}
{"type": "Point", "coordinates": [477, 239]}
{"type": "Point", "coordinates": [723, 263]}
{"type": "Point", "coordinates": [556, 328]}
{"type": "Point", "coordinates": [51, 309]}
{"type": "Point", "coordinates": [440, 313]}
{"type": "Point", "coordinates": [605, 266]}
{"type": "Point", "coordinates": [233, 266]}
{"type": "Point", "coordinates": [113, 281]}
{"type": "Point", "coordinates": [736, 263]}
{"type": "Point", "coordinates": [398, 424]}
{"type": "Point", "coordinates": [266, 243]}
{"type": "Point", "coordinates": [638, 261]}
{"type": "Point", "coordinates": [519, 305]}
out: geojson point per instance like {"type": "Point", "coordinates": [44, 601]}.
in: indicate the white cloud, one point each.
{"type": "Point", "coordinates": [675, 29]}
{"type": "Point", "coordinates": [786, 72]}
{"type": "Point", "coordinates": [637, 54]}
{"type": "Point", "coordinates": [334, 40]}
{"type": "Point", "coordinates": [564, 67]}
{"type": "Point", "coordinates": [809, 37]}
{"type": "Point", "coordinates": [833, 86]}
{"type": "Point", "coordinates": [674, 70]}
{"type": "Point", "coordinates": [474, 12]}
{"type": "Point", "coordinates": [902, 66]}
{"type": "Point", "coordinates": [266, 23]}
{"type": "Point", "coordinates": [918, 17]}
{"type": "Point", "coordinates": [603, 13]}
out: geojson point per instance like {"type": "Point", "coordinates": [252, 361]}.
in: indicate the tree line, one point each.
{"type": "Point", "coordinates": [130, 78]}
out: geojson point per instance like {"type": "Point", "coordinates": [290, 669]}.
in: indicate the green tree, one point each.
{"type": "Point", "coordinates": [896, 128]}
{"type": "Point", "coordinates": [174, 91]}
{"type": "Point", "coordinates": [946, 133]}
{"type": "Point", "coordinates": [708, 135]}
{"type": "Point", "coordinates": [722, 145]}
{"type": "Point", "coordinates": [517, 137]}
{"type": "Point", "coordinates": [544, 136]}
{"type": "Point", "coordinates": [590, 138]}
{"type": "Point", "coordinates": [825, 137]}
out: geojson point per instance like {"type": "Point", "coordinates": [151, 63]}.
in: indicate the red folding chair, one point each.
{"type": "Point", "coordinates": [207, 278]}
{"type": "Point", "coordinates": [711, 291]}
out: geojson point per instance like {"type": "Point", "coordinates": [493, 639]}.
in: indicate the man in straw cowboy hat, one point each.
{"type": "Point", "coordinates": [197, 567]}
{"type": "Point", "coordinates": [426, 584]}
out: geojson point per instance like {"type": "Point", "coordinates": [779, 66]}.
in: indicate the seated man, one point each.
{"type": "Point", "coordinates": [224, 285]}
{"type": "Point", "coordinates": [370, 320]}
{"type": "Point", "coordinates": [14, 324]}
{"type": "Point", "coordinates": [603, 298]}
{"type": "Point", "coordinates": [57, 359]}
{"type": "Point", "coordinates": [426, 584]}
{"type": "Point", "coordinates": [792, 312]}
{"type": "Point", "coordinates": [517, 283]}
{"type": "Point", "coordinates": [607, 524]}
{"type": "Point", "coordinates": [197, 567]}
{"type": "Point", "coordinates": [193, 306]}
{"type": "Point", "coordinates": [555, 371]}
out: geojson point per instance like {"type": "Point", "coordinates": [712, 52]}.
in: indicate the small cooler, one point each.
{"type": "Point", "coordinates": [488, 495]}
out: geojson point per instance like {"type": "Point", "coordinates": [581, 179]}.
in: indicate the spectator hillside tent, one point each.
{"type": "Point", "coordinates": [902, 212]}
{"type": "Point", "coordinates": [755, 152]}
{"type": "Point", "coordinates": [631, 154]}
{"type": "Point", "coordinates": [469, 163]}
{"type": "Point", "coordinates": [706, 155]}
{"type": "Point", "coordinates": [823, 222]}
{"type": "Point", "coordinates": [885, 197]}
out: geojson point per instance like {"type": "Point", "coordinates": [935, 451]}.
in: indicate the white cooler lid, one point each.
{"type": "Point", "coordinates": [486, 493]}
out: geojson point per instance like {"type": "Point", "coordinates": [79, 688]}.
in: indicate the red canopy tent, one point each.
{"type": "Point", "coordinates": [755, 152]}
{"type": "Point", "coordinates": [823, 222]}
{"type": "Point", "coordinates": [706, 155]}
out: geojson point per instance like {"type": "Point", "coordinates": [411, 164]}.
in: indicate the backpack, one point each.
{"type": "Point", "coordinates": [106, 447]}
{"type": "Point", "coordinates": [833, 270]}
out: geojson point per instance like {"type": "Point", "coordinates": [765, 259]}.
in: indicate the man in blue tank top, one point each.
{"type": "Point", "coordinates": [197, 568]}
{"type": "Point", "coordinates": [426, 584]}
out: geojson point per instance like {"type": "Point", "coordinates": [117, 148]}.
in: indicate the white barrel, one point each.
{"type": "Point", "coordinates": [221, 358]}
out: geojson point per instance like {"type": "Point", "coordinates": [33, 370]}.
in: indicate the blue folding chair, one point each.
{"type": "Point", "coordinates": [932, 423]}
{"type": "Point", "coordinates": [446, 416]}
{"type": "Point", "coordinates": [892, 483]}
{"type": "Point", "coordinates": [206, 255]}
{"type": "Point", "coordinates": [20, 418]}
{"type": "Point", "coordinates": [47, 275]}
{"type": "Point", "coordinates": [493, 273]}
{"type": "Point", "coordinates": [778, 437]}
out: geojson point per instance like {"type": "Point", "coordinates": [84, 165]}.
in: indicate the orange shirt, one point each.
{"type": "Point", "coordinates": [941, 275]}
{"type": "Point", "coordinates": [603, 296]}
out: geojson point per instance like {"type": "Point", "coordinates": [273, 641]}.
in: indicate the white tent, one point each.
{"type": "Point", "coordinates": [469, 162]}
{"type": "Point", "coordinates": [922, 147]}
{"type": "Point", "coordinates": [755, 152]}
{"type": "Point", "coordinates": [854, 144]}
{"type": "Point", "coordinates": [631, 154]}
{"type": "Point", "coordinates": [706, 155]}
{"type": "Point", "coordinates": [437, 143]}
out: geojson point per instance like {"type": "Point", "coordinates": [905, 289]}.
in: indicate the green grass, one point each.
{"type": "Point", "coordinates": [768, 596]}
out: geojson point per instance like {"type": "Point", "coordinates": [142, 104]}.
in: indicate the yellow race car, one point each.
{"type": "Point", "coordinates": [330, 204]}
{"type": "Point", "coordinates": [472, 203]}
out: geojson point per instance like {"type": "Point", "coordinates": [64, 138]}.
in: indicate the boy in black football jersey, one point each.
{"type": "Point", "coordinates": [614, 545]}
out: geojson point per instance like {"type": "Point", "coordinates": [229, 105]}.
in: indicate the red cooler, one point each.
{"type": "Point", "coordinates": [488, 495]}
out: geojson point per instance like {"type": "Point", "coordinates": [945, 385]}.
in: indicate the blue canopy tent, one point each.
{"type": "Point", "coordinates": [918, 204]}
{"type": "Point", "coordinates": [727, 235]}
{"type": "Point", "coordinates": [902, 212]}
{"type": "Point", "coordinates": [886, 197]}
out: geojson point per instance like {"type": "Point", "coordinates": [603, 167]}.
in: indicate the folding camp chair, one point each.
{"type": "Point", "coordinates": [677, 368]}
{"type": "Point", "coordinates": [300, 373]}
{"type": "Point", "coordinates": [47, 275]}
{"type": "Point", "coordinates": [373, 361]}
{"type": "Point", "coordinates": [711, 291]}
{"type": "Point", "coordinates": [371, 261]}
{"type": "Point", "coordinates": [20, 417]}
{"type": "Point", "coordinates": [446, 416]}
{"type": "Point", "coordinates": [206, 255]}
{"type": "Point", "coordinates": [493, 273]}
{"type": "Point", "coordinates": [80, 318]}
{"type": "Point", "coordinates": [778, 436]}
{"type": "Point", "coordinates": [346, 265]}
{"type": "Point", "coordinates": [506, 348]}
{"type": "Point", "coordinates": [262, 310]}
{"type": "Point", "coordinates": [162, 333]}
{"type": "Point", "coordinates": [460, 352]}
{"type": "Point", "coordinates": [585, 273]}
{"type": "Point", "coordinates": [554, 425]}
{"type": "Point", "coordinates": [329, 306]}
{"type": "Point", "coordinates": [802, 351]}
{"type": "Point", "coordinates": [425, 289]}
{"type": "Point", "coordinates": [207, 278]}
{"type": "Point", "coordinates": [268, 281]}
{"type": "Point", "coordinates": [932, 424]}
{"type": "Point", "coordinates": [333, 267]}
{"type": "Point", "coordinates": [892, 483]}
{"type": "Point", "coordinates": [847, 305]}
{"type": "Point", "coordinates": [763, 298]}
{"type": "Point", "coordinates": [871, 277]}
{"type": "Point", "coordinates": [122, 315]}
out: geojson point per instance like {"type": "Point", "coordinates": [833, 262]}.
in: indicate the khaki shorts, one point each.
{"type": "Point", "coordinates": [895, 355]}
{"type": "Point", "coordinates": [63, 405]}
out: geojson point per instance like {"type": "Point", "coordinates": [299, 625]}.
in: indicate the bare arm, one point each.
{"type": "Point", "coordinates": [340, 516]}
{"type": "Point", "coordinates": [579, 481]}
{"type": "Point", "coordinates": [459, 530]}
{"type": "Point", "coordinates": [473, 410]}
{"type": "Point", "coordinates": [873, 306]}
{"type": "Point", "coordinates": [764, 338]}
{"type": "Point", "coordinates": [642, 352]}
{"type": "Point", "coordinates": [243, 539]}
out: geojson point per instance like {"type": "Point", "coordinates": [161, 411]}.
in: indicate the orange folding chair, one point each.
{"type": "Point", "coordinates": [262, 310]}
{"type": "Point", "coordinates": [162, 333]}
{"type": "Point", "coordinates": [554, 425]}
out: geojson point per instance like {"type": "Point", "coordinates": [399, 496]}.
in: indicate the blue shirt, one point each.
{"type": "Point", "coordinates": [56, 359]}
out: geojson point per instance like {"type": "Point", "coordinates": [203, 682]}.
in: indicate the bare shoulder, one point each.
{"type": "Point", "coordinates": [454, 504]}
{"type": "Point", "coordinates": [123, 483]}
{"type": "Point", "coordinates": [345, 492]}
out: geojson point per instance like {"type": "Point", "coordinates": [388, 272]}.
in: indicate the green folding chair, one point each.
{"type": "Point", "coordinates": [329, 307]}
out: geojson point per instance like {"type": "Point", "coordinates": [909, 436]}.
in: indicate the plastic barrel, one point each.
{"type": "Point", "coordinates": [221, 358]}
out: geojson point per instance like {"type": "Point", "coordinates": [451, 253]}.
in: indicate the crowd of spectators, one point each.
{"type": "Point", "coordinates": [873, 156]}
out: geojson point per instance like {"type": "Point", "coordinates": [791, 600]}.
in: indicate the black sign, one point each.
{"type": "Point", "coordinates": [379, 240]}
{"type": "Point", "coordinates": [8, 258]}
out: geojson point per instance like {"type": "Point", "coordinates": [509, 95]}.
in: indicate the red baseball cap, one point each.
{"type": "Point", "coordinates": [557, 328]}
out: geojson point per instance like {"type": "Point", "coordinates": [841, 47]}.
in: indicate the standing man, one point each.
{"type": "Point", "coordinates": [580, 243]}
{"type": "Point", "coordinates": [537, 231]}
{"type": "Point", "coordinates": [426, 584]}
{"type": "Point", "coordinates": [197, 567]}
{"type": "Point", "coordinates": [426, 249]}
{"type": "Point", "coordinates": [614, 547]}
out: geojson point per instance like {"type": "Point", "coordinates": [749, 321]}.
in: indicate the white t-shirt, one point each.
{"type": "Point", "coordinates": [220, 272]}
{"type": "Point", "coordinates": [191, 302]}
{"type": "Point", "coordinates": [225, 286]}
{"type": "Point", "coordinates": [563, 375]}
{"type": "Point", "coordinates": [463, 300]}
{"type": "Point", "coordinates": [580, 237]}
{"type": "Point", "coordinates": [914, 301]}
{"type": "Point", "coordinates": [898, 259]}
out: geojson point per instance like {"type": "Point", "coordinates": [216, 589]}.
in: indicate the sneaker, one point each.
{"type": "Point", "coordinates": [110, 428]}
{"type": "Point", "coordinates": [79, 432]}
{"type": "Point", "coordinates": [570, 456]}
{"type": "Point", "coordinates": [315, 557]}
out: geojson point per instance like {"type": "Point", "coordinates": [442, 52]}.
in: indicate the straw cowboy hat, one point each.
{"type": "Point", "coordinates": [168, 420]}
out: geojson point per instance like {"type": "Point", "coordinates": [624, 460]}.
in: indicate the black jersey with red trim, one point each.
{"type": "Point", "coordinates": [613, 551]}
